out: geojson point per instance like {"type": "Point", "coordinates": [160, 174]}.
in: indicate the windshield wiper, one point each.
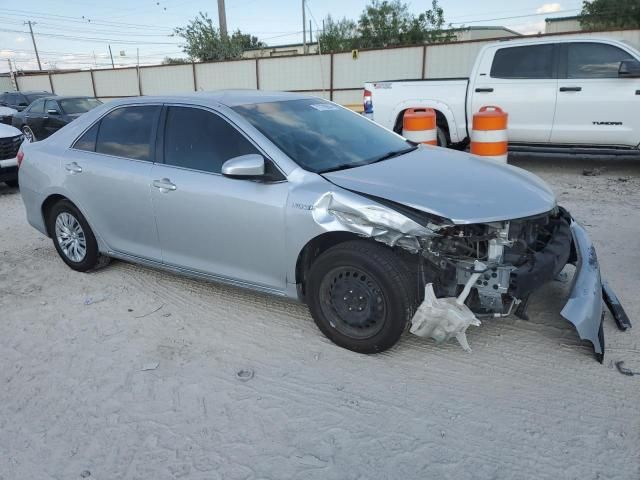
{"type": "Point", "coordinates": [386, 156]}
{"type": "Point", "coordinates": [395, 153]}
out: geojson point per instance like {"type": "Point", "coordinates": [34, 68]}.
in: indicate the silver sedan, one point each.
{"type": "Point", "coordinates": [297, 196]}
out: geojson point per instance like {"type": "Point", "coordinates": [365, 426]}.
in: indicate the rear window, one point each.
{"type": "Point", "coordinates": [534, 61]}
{"type": "Point", "coordinates": [34, 96]}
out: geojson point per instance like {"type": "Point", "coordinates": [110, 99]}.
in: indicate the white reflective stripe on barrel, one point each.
{"type": "Point", "coordinates": [489, 136]}
{"type": "Point", "coordinates": [419, 136]}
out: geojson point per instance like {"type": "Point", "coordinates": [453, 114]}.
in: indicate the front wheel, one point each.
{"type": "Point", "coordinates": [361, 296]}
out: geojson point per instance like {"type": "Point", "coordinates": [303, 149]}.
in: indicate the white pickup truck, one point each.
{"type": "Point", "coordinates": [575, 94]}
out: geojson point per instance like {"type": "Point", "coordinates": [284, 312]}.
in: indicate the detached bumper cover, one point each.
{"type": "Point", "coordinates": [584, 309]}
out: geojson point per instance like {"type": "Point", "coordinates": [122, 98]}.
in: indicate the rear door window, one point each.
{"type": "Point", "coordinates": [201, 140]}
{"type": "Point", "coordinates": [528, 62]}
{"type": "Point", "coordinates": [129, 132]}
{"type": "Point", "coordinates": [594, 60]}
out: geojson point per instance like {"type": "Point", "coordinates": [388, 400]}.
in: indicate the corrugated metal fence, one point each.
{"type": "Point", "coordinates": [338, 77]}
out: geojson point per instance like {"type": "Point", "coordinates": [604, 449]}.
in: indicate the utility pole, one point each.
{"type": "Point", "coordinates": [111, 54]}
{"type": "Point", "coordinates": [33, 39]}
{"type": "Point", "coordinates": [310, 33]}
{"type": "Point", "coordinates": [222, 18]}
{"type": "Point", "coordinates": [304, 29]}
{"type": "Point", "coordinates": [14, 82]}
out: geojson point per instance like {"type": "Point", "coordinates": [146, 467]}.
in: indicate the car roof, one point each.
{"type": "Point", "coordinates": [230, 98]}
{"type": "Point", "coordinates": [515, 41]}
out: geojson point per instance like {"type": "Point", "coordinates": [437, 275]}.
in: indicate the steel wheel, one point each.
{"type": "Point", "coordinates": [28, 135]}
{"type": "Point", "coordinates": [71, 237]}
{"type": "Point", "coordinates": [352, 302]}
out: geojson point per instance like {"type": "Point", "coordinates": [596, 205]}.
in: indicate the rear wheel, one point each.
{"type": "Point", "coordinates": [12, 183]}
{"type": "Point", "coordinates": [361, 296]}
{"type": "Point", "coordinates": [72, 237]}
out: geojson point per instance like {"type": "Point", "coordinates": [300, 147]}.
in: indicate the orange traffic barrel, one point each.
{"type": "Point", "coordinates": [489, 133]}
{"type": "Point", "coordinates": [419, 126]}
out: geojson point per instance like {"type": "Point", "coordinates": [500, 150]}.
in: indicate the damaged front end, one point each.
{"type": "Point", "coordinates": [471, 271]}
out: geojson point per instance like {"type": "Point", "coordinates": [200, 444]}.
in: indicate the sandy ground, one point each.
{"type": "Point", "coordinates": [131, 373]}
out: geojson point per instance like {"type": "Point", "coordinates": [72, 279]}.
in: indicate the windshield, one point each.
{"type": "Point", "coordinates": [320, 136]}
{"type": "Point", "coordinates": [79, 105]}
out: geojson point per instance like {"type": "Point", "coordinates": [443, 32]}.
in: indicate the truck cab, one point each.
{"type": "Point", "coordinates": [562, 92]}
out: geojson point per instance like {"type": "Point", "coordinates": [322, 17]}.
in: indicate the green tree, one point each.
{"type": "Point", "coordinates": [603, 14]}
{"type": "Point", "coordinates": [385, 23]}
{"type": "Point", "coordinates": [338, 36]}
{"type": "Point", "coordinates": [247, 41]}
{"type": "Point", "coordinates": [388, 22]}
{"type": "Point", "coordinates": [175, 61]}
{"type": "Point", "coordinates": [204, 42]}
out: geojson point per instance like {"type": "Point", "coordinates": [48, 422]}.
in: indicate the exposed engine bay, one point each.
{"type": "Point", "coordinates": [474, 271]}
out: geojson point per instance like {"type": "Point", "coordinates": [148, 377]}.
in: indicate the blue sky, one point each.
{"type": "Point", "coordinates": [76, 33]}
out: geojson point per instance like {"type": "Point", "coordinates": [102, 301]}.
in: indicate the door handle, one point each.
{"type": "Point", "coordinates": [73, 168]}
{"type": "Point", "coordinates": [484, 90]}
{"type": "Point", "coordinates": [164, 185]}
{"type": "Point", "coordinates": [570, 89]}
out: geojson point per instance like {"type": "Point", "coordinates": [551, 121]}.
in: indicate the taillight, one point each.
{"type": "Point", "coordinates": [19, 157]}
{"type": "Point", "coordinates": [367, 102]}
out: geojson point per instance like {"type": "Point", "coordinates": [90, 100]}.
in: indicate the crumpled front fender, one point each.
{"type": "Point", "coordinates": [584, 308]}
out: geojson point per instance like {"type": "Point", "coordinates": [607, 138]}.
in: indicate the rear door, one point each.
{"type": "Point", "coordinates": [108, 173]}
{"type": "Point", "coordinates": [595, 106]}
{"type": "Point", "coordinates": [35, 118]}
{"type": "Point", "coordinates": [231, 228]}
{"type": "Point", "coordinates": [522, 81]}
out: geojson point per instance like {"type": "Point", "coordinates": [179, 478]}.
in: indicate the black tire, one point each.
{"type": "Point", "coordinates": [92, 258]}
{"type": "Point", "coordinates": [12, 183]}
{"type": "Point", "coordinates": [359, 264]}
{"type": "Point", "coordinates": [442, 137]}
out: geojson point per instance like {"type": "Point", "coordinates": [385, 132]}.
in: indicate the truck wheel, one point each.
{"type": "Point", "coordinates": [361, 296]}
{"type": "Point", "coordinates": [442, 138]}
{"type": "Point", "coordinates": [73, 238]}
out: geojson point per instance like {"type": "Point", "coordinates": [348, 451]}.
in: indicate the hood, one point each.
{"type": "Point", "coordinates": [8, 131]}
{"type": "Point", "coordinates": [7, 111]}
{"type": "Point", "coordinates": [455, 185]}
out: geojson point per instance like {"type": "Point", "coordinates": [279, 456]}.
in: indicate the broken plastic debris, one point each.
{"type": "Point", "coordinates": [445, 318]}
{"type": "Point", "coordinates": [336, 211]}
{"type": "Point", "coordinates": [150, 366]}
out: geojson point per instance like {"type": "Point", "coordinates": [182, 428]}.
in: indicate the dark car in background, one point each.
{"type": "Point", "coordinates": [49, 114]}
{"type": "Point", "coordinates": [20, 100]}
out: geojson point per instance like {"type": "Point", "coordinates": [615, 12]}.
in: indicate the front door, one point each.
{"type": "Point", "coordinates": [108, 176]}
{"type": "Point", "coordinates": [595, 106]}
{"type": "Point", "coordinates": [209, 223]}
{"type": "Point", "coordinates": [521, 81]}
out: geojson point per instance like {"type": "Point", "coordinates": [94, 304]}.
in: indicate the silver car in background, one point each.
{"type": "Point", "coordinates": [299, 197]}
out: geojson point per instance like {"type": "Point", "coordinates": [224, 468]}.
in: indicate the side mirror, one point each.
{"type": "Point", "coordinates": [629, 69]}
{"type": "Point", "coordinates": [23, 104]}
{"type": "Point", "coordinates": [245, 166]}
{"type": "Point", "coordinates": [53, 111]}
